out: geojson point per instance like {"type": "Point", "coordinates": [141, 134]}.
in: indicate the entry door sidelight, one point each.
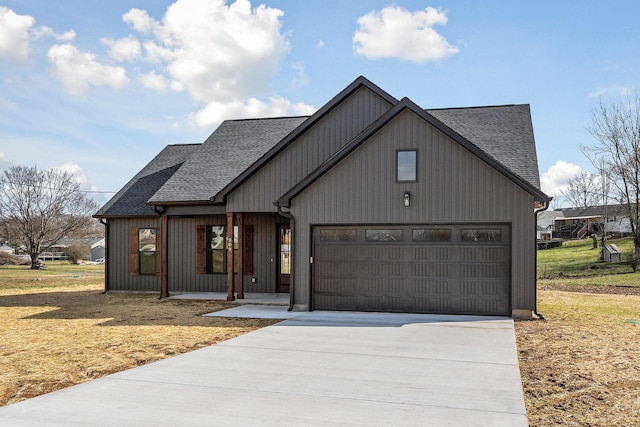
{"type": "Point", "coordinates": [284, 258]}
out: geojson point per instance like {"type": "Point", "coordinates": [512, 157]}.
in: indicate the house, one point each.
{"type": "Point", "coordinates": [97, 251]}
{"type": "Point", "coordinates": [370, 204]}
{"type": "Point", "coordinates": [577, 223]}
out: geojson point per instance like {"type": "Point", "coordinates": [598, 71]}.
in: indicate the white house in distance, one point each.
{"type": "Point", "coordinates": [576, 223]}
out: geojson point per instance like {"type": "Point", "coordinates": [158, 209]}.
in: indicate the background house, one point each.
{"type": "Point", "coordinates": [578, 223]}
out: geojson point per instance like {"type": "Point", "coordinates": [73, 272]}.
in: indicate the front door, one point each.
{"type": "Point", "coordinates": [284, 258]}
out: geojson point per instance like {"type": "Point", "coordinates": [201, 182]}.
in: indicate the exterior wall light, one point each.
{"type": "Point", "coordinates": [406, 200]}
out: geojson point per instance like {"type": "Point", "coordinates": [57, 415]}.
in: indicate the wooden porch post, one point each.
{"type": "Point", "coordinates": [230, 296]}
{"type": "Point", "coordinates": [164, 248]}
{"type": "Point", "coordinates": [239, 222]}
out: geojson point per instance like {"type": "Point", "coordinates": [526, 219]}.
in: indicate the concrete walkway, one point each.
{"type": "Point", "coordinates": [318, 368]}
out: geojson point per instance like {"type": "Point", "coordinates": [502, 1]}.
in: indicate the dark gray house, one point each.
{"type": "Point", "coordinates": [371, 203]}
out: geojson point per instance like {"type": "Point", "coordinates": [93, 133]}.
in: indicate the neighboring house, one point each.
{"type": "Point", "coordinates": [546, 223]}
{"type": "Point", "coordinates": [98, 249]}
{"type": "Point", "coordinates": [572, 223]}
{"type": "Point", "coordinates": [370, 204]}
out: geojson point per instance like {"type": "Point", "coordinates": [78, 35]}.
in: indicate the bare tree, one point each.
{"type": "Point", "coordinates": [42, 207]}
{"type": "Point", "coordinates": [583, 190]}
{"type": "Point", "coordinates": [616, 127]}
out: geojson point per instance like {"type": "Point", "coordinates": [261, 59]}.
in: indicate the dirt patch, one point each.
{"type": "Point", "coordinates": [593, 289]}
{"type": "Point", "coordinates": [54, 338]}
{"type": "Point", "coordinates": [581, 367]}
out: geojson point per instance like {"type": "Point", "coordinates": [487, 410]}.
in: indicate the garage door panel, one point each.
{"type": "Point", "coordinates": [432, 270]}
{"type": "Point", "coordinates": [450, 269]}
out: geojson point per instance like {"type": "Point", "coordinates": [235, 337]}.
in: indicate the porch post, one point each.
{"type": "Point", "coordinates": [240, 223]}
{"type": "Point", "coordinates": [230, 251]}
{"type": "Point", "coordinates": [164, 248]}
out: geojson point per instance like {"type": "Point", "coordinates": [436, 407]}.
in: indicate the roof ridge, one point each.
{"type": "Point", "coordinates": [475, 107]}
{"type": "Point", "coordinates": [268, 118]}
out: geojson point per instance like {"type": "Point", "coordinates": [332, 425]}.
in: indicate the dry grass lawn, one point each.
{"type": "Point", "coordinates": [61, 330]}
{"type": "Point", "coordinates": [581, 367]}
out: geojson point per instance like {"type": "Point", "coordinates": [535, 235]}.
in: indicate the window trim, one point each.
{"type": "Point", "coordinates": [403, 150]}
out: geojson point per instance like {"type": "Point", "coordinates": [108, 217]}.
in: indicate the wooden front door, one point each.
{"type": "Point", "coordinates": [284, 258]}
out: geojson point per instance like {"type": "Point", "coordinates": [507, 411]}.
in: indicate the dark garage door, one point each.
{"type": "Point", "coordinates": [457, 269]}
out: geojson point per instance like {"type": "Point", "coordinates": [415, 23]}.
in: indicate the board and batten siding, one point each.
{"type": "Point", "coordinates": [305, 154]}
{"type": "Point", "coordinates": [454, 186]}
{"type": "Point", "coordinates": [118, 259]}
{"type": "Point", "coordinates": [182, 271]}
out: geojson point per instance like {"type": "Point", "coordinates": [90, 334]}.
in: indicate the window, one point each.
{"type": "Point", "coordinates": [338, 235]}
{"type": "Point", "coordinates": [481, 235]}
{"type": "Point", "coordinates": [383, 235]}
{"type": "Point", "coordinates": [215, 249]}
{"type": "Point", "coordinates": [147, 250]}
{"type": "Point", "coordinates": [431, 235]}
{"type": "Point", "coordinates": [211, 249]}
{"type": "Point", "coordinates": [407, 166]}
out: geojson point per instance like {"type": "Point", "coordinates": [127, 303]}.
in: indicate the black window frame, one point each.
{"type": "Point", "coordinates": [210, 251]}
{"type": "Point", "coordinates": [146, 256]}
{"type": "Point", "coordinates": [415, 165]}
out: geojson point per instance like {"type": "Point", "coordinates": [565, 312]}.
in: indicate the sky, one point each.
{"type": "Point", "coordinates": [98, 88]}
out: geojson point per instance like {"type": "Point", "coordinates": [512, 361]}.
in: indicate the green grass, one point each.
{"type": "Point", "coordinates": [576, 263]}
{"type": "Point", "coordinates": [58, 273]}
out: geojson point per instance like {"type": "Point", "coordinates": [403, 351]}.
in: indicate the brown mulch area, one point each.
{"type": "Point", "coordinates": [51, 339]}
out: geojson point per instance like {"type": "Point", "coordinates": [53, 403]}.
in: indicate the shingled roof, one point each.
{"type": "Point", "coordinates": [504, 132]}
{"type": "Point", "coordinates": [228, 152]}
{"type": "Point", "coordinates": [131, 199]}
{"type": "Point", "coordinates": [195, 173]}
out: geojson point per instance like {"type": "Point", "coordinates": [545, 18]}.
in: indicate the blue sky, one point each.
{"type": "Point", "coordinates": [99, 88]}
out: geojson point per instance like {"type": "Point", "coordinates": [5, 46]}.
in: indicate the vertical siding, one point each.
{"type": "Point", "coordinates": [327, 136]}
{"type": "Point", "coordinates": [182, 272]}
{"type": "Point", "coordinates": [454, 186]}
{"type": "Point", "coordinates": [118, 262]}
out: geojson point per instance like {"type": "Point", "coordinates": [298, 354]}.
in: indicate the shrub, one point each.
{"type": "Point", "coordinates": [77, 252]}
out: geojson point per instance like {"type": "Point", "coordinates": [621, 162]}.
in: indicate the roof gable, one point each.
{"type": "Point", "coordinates": [357, 84]}
{"type": "Point", "coordinates": [404, 104]}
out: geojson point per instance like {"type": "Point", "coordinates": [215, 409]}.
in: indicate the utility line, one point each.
{"type": "Point", "coordinates": [2, 181]}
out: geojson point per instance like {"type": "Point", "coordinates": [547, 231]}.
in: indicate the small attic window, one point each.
{"type": "Point", "coordinates": [407, 165]}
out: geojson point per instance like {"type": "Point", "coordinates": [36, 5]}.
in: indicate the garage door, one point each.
{"type": "Point", "coordinates": [456, 269]}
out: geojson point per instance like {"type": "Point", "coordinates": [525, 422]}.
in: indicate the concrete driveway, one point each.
{"type": "Point", "coordinates": [318, 368]}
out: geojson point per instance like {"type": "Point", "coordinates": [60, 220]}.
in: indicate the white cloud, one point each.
{"type": "Point", "coordinates": [555, 180]}
{"type": "Point", "coordinates": [14, 35]}
{"type": "Point", "coordinates": [615, 90]}
{"type": "Point", "coordinates": [154, 81]}
{"type": "Point", "coordinates": [67, 36]}
{"type": "Point", "coordinates": [139, 20]}
{"type": "Point", "coordinates": [125, 49]}
{"type": "Point", "coordinates": [215, 112]}
{"type": "Point", "coordinates": [45, 31]}
{"type": "Point", "coordinates": [77, 70]}
{"type": "Point", "coordinates": [395, 32]}
{"type": "Point", "coordinates": [222, 55]}
{"type": "Point", "coordinates": [75, 171]}
{"type": "Point", "coordinates": [301, 78]}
